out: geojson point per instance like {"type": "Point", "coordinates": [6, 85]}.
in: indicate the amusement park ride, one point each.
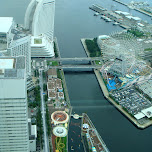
{"type": "Point", "coordinates": [123, 66]}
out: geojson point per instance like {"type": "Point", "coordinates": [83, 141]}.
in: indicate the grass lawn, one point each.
{"type": "Point", "coordinates": [98, 62]}
{"type": "Point", "coordinates": [148, 49]}
{"type": "Point", "coordinates": [53, 63]}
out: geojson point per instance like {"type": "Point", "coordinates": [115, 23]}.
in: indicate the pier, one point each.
{"type": "Point", "coordinates": [136, 9]}
{"type": "Point", "coordinates": [97, 8]}
{"type": "Point", "coordinates": [143, 12]}
{"type": "Point", "coordinates": [120, 2]}
{"type": "Point", "coordinates": [111, 16]}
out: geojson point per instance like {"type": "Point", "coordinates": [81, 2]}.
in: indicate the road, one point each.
{"type": "Point", "coordinates": [68, 59]}
{"type": "Point", "coordinates": [76, 66]}
{"type": "Point", "coordinates": [46, 140]}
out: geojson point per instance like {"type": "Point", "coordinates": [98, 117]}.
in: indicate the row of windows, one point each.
{"type": "Point", "coordinates": [14, 128]}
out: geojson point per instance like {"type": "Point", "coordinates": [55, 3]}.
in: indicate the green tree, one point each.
{"type": "Point", "coordinates": [44, 87]}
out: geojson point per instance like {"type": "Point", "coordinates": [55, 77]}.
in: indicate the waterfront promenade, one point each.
{"type": "Point", "coordinates": [106, 95]}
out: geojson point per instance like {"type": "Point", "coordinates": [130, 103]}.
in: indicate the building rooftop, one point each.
{"type": "Point", "coordinates": [60, 95]}
{"type": "Point", "coordinates": [58, 83]}
{"type": "Point", "coordinates": [12, 67]}
{"type": "Point", "coordinates": [38, 41]}
{"type": "Point", "coordinates": [34, 130]}
{"type": "Point", "coordinates": [6, 63]}
{"type": "Point", "coordinates": [51, 86]}
{"type": "Point", "coordinates": [51, 72]}
{"type": "Point", "coordinates": [139, 116]}
{"type": "Point", "coordinates": [52, 94]}
{"type": "Point", "coordinates": [12, 77]}
{"type": "Point", "coordinates": [147, 112]}
{"type": "Point", "coordinates": [146, 87]}
{"type": "Point", "coordinates": [5, 24]}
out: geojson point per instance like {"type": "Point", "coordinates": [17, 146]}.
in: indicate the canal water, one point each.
{"type": "Point", "coordinates": [73, 21]}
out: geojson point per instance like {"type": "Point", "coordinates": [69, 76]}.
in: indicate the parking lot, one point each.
{"type": "Point", "coordinates": [132, 100]}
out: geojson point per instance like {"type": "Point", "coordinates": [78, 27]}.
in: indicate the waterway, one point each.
{"type": "Point", "coordinates": [74, 20]}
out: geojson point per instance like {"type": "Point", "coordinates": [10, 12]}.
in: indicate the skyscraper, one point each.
{"type": "Point", "coordinates": [6, 26]}
{"type": "Point", "coordinates": [13, 105]}
{"type": "Point", "coordinates": [39, 17]}
{"type": "Point", "coordinates": [15, 42]}
{"type": "Point", "coordinates": [22, 46]}
{"type": "Point", "coordinates": [39, 20]}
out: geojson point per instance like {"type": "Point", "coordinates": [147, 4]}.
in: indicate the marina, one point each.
{"type": "Point", "coordinates": [123, 19]}
{"type": "Point", "coordinates": [74, 135]}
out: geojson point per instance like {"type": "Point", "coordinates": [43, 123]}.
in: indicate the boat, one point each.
{"type": "Point", "coordinates": [108, 19]}
{"type": "Point", "coordinates": [115, 23]}
{"type": "Point", "coordinates": [96, 14]}
{"type": "Point", "coordinates": [103, 17]}
{"type": "Point", "coordinates": [90, 137]}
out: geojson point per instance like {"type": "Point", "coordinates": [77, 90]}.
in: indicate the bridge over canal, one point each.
{"type": "Point", "coordinates": [76, 66]}
{"type": "Point", "coordinates": [77, 59]}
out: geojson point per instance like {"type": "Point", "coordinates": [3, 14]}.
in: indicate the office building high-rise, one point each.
{"type": "Point", "coordinates": [14, 42]}
{"type": "Point", "coordinates": [22, 46]}
{"type": "Point", "coordinates": [13, 105]}
{"type": "Point", "coordinates": [6, 26]}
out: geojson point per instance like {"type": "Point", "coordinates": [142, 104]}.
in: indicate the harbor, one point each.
{"type": "Point", "coordinates": [85, 95]}
{"type": "Point", "coordinates": [84, 136]}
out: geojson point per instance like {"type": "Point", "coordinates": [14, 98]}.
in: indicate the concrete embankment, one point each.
{"type": "Point", "coordinates": [84, 46]}
{"type": "Point", "coordinates": [106, 94]}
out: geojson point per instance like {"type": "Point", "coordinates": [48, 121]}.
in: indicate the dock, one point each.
{"type": "Point", "coordinates": [97, 8]}
{"type": "Point", "coordinates": [109, 16]}
{"type": "Point", "coordinates": [143, 12]}
{"type": "Point", "coordinates": [120, 2]}
{"type": "Point", "coordinates": [136, 9]}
